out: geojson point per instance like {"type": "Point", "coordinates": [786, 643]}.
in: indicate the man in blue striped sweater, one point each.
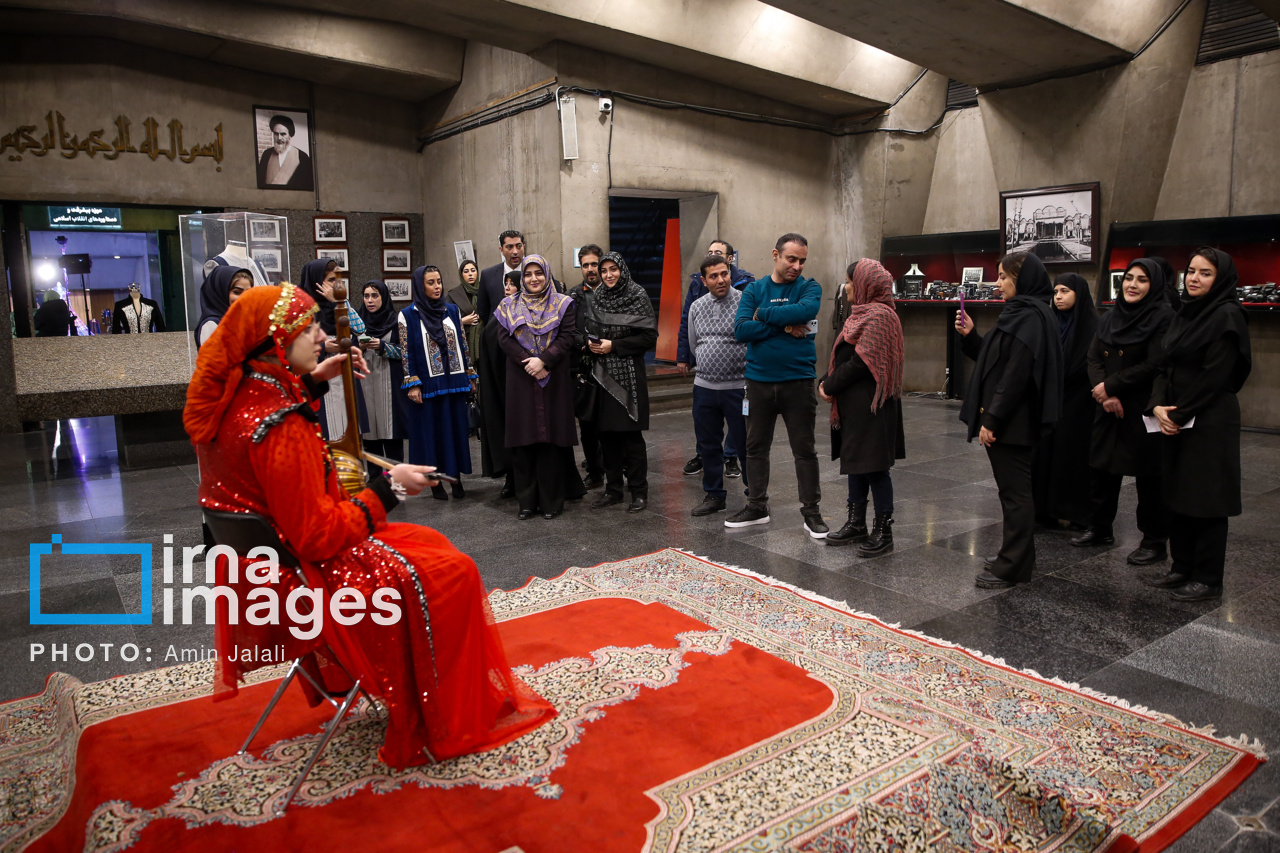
{"type": "Point", "coordinates": [777, 319]}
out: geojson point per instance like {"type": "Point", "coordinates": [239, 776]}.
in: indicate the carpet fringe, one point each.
{"type": "Point", "coordinates": [1253, 746]}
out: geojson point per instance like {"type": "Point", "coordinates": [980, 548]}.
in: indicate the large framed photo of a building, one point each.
{"type": "Point", "coordinates": [1059, 225]}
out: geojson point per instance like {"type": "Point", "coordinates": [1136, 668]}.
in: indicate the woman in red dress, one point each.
{"type": "Point", "coordinates": [440, 669]}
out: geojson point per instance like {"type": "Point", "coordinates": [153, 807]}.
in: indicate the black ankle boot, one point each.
{"type": "Point", "coordinates": [880, 540]}
{"type": "Point", "coordinates": [855, 529]}
{"type": "Point", "coordinates": [438, 492]}
{"type": "Point", "coordinates": [458, 491]}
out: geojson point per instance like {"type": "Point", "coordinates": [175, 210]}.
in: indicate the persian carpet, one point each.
{"type": "Point", "coordinates": [701, 709]}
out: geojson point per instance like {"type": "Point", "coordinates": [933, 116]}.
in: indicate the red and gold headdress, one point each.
{"type": "Point", "coordinates": [265, 319]}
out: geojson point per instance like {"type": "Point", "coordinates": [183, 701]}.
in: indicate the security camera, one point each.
{"type": "Point", "coordinates": [606, 105]}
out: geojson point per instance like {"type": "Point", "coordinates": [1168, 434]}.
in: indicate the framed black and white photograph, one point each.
{"type": "Point", "coordinates": [395, 231]}
{"type": "Point", "coordinates": [397, 260]}
{"type": "Point", "coordinates": [1056, 224]}
{"type": "Point", "coordinates": [339, 255]}
{"type": "Point", "coordinates": [400, 288]}
{"type": "Point", "coordinates": [463, 250]}
{"type": "Point", "coordinates": [271, 260]}
{"type": "Point", "coordinates": [1117, 283]}
{"type": "Point", "coordinates": [264, 230]}
{"type": "Point", "coordinates": [971, 276]}
{"type": "Point", "coordinates": [284, 143]}
{"type": "Point", "coordinates": [331, 229]}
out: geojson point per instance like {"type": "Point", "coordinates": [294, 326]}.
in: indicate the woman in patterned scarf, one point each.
{"type": "Point", "coordinates": [621, 327]}
{"type": "Point", "coordinates": [863, 384]}
{"type": "Point", "coordinates": [537, 330]}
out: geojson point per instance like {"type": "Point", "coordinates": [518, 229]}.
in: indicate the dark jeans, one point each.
{"type": "Point", "coordinates": [539, 476]}
{"type": "Point", "coordinates": [591, 449]}
{"type": "Point", "coordinates": [798, 405]}
{"type": "Point", "coordinates": [1152, 515]}
{"type": "Point", "coordinates": [625, 453]}
{"type": "Point", "coordinates": [1011, 466]}
{"type": "Point", "coordinates": [880, 485]}
{"type": "Point", "coordinates": [712, 412]}
{"type": "Point", "coordinates": [1199, 548]}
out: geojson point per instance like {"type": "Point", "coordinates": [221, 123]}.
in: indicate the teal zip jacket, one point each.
{"type": "Point", "coordinates": [764, 312]}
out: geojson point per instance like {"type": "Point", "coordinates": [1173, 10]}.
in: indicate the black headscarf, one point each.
{"type": "Point", "coordinates": [215, 293]}
{"type": "Point", "coordinates": [1130, 323]}
{"type": "Point", "coordinates": [432, 312]}
{"type": "Point", "coordinates": [1201, 320]}
{"type": "Point", "coordinates": [313, 273]}
{"type": "Point", "coordinates": [53, 319]}
{"type": "Point", "coordinates": [1027, 317]}
{"type": "Point", "coordinates": [1170, 281]}
{"type": "Point", "coordinates": [377, 323]}
{"type": "Point", "coordinates": [1076, 327]}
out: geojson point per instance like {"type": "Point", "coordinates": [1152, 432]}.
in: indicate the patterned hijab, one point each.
{"type": "Point", "coordinates": [432, 312]}
{"type": "Point", "coordinates": [533, 320]}
{"type": "Point", "coordinates": [616, 312]}
{"type": "Point", "coordinates": [874, 330]}
{"type": "Point", "coordinates": [265, 320]}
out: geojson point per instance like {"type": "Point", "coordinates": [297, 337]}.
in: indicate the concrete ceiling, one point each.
{"type": "Point", "coordinates": [1270, 7]}
{"type": "Point", "coordinates": [992, 43]}
{"type": "Point", "coordinates": [396, 61]}
{"type": "Point", "coordinates": [745, 44]}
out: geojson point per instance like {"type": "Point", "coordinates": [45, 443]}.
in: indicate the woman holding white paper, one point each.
{"type": "Point", "coordinates": [1123, 362]}
{"type": "Point", "coordinates": [1209, 359]}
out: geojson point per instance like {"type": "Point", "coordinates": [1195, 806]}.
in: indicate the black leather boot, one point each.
{"type": "Point", "coordinates": [880, 540]}
{"type": "Point", "coordinates": [855, 529]}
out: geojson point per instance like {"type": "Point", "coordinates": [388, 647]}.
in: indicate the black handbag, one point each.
{"type": "Point", "coordinates": [584, 398]}
{"type": "Point", "coordinates": [473, 411]}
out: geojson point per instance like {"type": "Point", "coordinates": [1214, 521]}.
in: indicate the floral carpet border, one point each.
{"type": "Point", "coordinates": [883, 676]}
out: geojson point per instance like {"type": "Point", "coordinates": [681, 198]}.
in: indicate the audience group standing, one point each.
{"type": "Point", "coordinates": [1065, 403]}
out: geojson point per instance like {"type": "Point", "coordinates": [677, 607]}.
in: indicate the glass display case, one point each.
{"type": "Point", "coordinates": [258, 242]}
{"type": "Point", "coordinates": [948, 262]}
{"type": "Point", "coordinates": [1252, 241]}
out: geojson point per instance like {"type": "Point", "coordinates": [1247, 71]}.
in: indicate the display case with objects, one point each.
{"type": "Point", "coordinates": [258, 242]}
{"type": "Point", "coordinates": [1252, 241]}
{"type": "Point", "coordinates": [942, 260]}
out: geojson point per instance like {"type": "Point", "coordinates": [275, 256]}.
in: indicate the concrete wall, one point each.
{"type": "Point", "coordinates": [365, 149]}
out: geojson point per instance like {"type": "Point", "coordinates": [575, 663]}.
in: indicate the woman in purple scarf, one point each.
{"type": "Point", "coordinates": [537, 331]}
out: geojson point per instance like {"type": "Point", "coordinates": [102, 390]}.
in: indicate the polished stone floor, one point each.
{"type": "Point", "coordinates": [1085, 618]}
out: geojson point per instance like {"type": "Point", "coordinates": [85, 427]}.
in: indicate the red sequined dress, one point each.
{"type": "Point", "coordinates": [440, 670]}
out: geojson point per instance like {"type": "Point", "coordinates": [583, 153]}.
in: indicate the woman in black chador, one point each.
{"type": "Point", "coordinates": [1207, 362]}
{"type": "Point", "coordinates": [1061, 489]}
{"type": "Point", "coordinates": [1015, 393]}
{"type": "Point", "coordinates": [1123, 362]}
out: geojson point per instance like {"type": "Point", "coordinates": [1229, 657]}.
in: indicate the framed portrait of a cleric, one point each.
{"type": "Point", "coordinates": [284, 137]}
{"type": "Point", "coordinates": [1059, 225]}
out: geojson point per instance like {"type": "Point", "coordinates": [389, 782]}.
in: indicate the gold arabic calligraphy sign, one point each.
{"type": "Point", "coordinates": [70, 146]}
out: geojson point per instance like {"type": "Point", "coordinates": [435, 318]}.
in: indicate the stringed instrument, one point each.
{"type": "Point", "coordinates": [347, 449]}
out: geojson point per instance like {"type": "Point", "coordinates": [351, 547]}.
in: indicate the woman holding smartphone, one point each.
{"type": "Point", "coordinates": [381, 388]}
{"type": "Point", "coordinates": [620, 328]}
{"type": "Point", "coordinates": [1015, 393]}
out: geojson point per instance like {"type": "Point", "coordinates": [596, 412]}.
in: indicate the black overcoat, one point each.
{"type": "Point", "coordinates": [491, 364]}
{"type": "Point", "coordinates": [611, 416]}
{"type": "Point", "coordinates": [1123, 445]}
{"type": "Point", "coordinates": [1201, 464]}
{"type": "Point", "coordinates": [1010, 404]}
{"type": "Point", "coordinates": [1063, 459]}
{"type": "Point", "coordinates": [866, 441]}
